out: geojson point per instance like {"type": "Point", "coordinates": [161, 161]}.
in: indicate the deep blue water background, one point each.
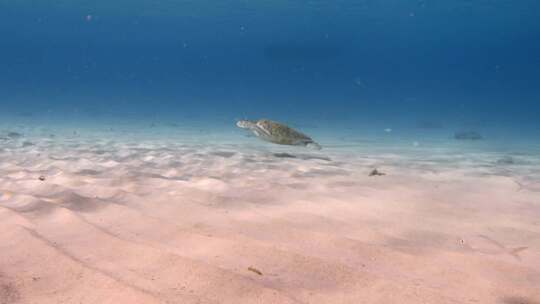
{"type": "Point", "coordinates": [459, 65]}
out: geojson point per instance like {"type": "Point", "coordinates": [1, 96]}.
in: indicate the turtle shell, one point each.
{"type": "Point", "coordinates": [282, 134]}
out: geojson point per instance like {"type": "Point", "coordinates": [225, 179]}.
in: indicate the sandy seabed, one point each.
{"type": "Point", "coordinates": [93, 220]}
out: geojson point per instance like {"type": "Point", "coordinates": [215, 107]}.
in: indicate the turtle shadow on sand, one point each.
{"type": "Point", "coordinates": [11, 135]}
{"type": "Point", "coordinates": [468, 135]}
{"type": "Point", "coordinates": [301, 156]}
{"type": "Point", "coordinates": [506, 160]}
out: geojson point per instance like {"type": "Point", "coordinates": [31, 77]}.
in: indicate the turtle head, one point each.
{"type": "Point", "coordinates": [245, 124]}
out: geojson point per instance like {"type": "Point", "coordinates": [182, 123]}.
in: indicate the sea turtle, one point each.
{"type": "Point", "coordinates": [277, 133]}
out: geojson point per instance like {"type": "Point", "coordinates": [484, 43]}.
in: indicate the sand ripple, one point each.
{"type": "Point", "coordinates": [102, 221]}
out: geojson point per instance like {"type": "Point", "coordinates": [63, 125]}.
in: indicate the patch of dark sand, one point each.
{"type": "Point", "coordinates": [175, 164]}
{"type": "Point", "coordinates": [506, 160]}
{"type": "Point", "coordinates": [88, 172]}
{"type": "Point", "coordinates": [518, 300]}
{"type": "Point", "coordinates": [322, 172]}
{"type": "Point", "coordinates": [509, 160]}
{"type": "Point", "coordinates": [99, 152]}
{"type": "Point", "coordinates": [238, 201]}
{"type": "Point", "coordinates": [225, 154]}
{"type": "Point", "coordinates": [8, 292]}
{"type": "Point", "coordinates": [249, 160]}
{"type": "Point", "coordinates": [298, 186]}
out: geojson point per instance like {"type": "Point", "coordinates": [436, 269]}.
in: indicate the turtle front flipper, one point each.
{"type": "Point", "coordinates": [256, 129]}
{"type": "Point", "coordinates": [262, 134]}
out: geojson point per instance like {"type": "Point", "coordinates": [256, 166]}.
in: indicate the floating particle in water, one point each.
{"type": "Point", "coordinates": [359, 82]}
{"type": "Point", "coordinates": [89, 18]}
{"type": "Point", "coordinates": [388, 130]}
{"type": "Point", "coordinates": [416, 144]}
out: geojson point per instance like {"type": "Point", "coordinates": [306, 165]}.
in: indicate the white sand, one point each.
{"type": "Point", "coordinates": [128, 221]}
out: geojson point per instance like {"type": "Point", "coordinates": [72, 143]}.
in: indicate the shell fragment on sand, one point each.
{"type": "Point", "coordinates": [255, 270]}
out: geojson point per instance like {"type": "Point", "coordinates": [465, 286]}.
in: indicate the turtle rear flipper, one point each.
{"type": "Point", "coordinates": [314, 146]}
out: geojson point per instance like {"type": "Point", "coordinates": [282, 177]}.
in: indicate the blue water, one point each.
{"type": "Point", "coordinates": [425, 69]}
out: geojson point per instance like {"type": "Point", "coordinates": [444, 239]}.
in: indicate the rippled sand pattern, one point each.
{"type": "Point", "coordinates": [89, 220]}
